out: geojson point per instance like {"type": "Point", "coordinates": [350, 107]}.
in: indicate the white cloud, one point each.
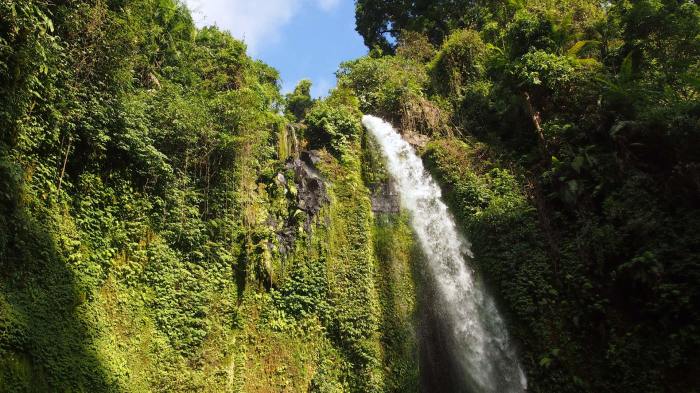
{"type": "Point", "coordinates": [257, 22]}
{"type": "Point", "coordinates": [328, 5]}
{"type": "Point", "coordinates": [321, 87]}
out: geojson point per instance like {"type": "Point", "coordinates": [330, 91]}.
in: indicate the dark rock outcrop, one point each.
{"type": "Point", "coordinates": [385, 198]}
{"type": "Point", "coordinates": [311, 195]}
{"type": "Point", "coordinates": [311, 191]}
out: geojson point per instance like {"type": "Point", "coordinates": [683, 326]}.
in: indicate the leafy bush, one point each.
{"type": "Point", "coordinates": [459, 63]}
{"type": "Point", "coordinates": [332, 126]}
{"type": "Point", "coordinates": [299, 101]}
{"type": "Point", "coordinates": [530, 31]}
{"type": "Point", "coordinates": [383, 84]}
{"type": "Point", "coordinates": [541, 69]}
{"type": "Point", "coordinates": [414, 46]}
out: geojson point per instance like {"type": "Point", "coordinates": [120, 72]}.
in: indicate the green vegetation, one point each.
{"type": "Point", "coordinates": [397, 256]}
{"type": "Point", "coordinates": [299, 101]}
{"type": "Point", "coordinates": [161, 228]}
{"type": "Point", "coordinates": [569, 155]}
{"type": "Point", "coordinates": [152, 230]}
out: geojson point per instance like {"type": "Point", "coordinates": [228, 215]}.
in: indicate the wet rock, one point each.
{"type": "Point", "coordinates": [385, 198]}
{"type": "Point", "coordinates": [310, 157]}
{"type": "Point", "coordinates": [415, 139]}
{"type": "Point", "coordinates": [311, 190]}
{"type": "Point", "coordinates": [286, 237]}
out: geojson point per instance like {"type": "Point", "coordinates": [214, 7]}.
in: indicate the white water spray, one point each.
{"type": "Point", "coordinates": [480, 342]}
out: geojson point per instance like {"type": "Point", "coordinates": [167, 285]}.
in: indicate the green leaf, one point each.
{"type": "Point", "coordinates": [545, 361]}
{"type": "Point", "coordinates": [692, 80]}
{"type": "Point", "coordinates": [578, 47]}
{"type": "Point", "coordinates": [626, 68]}
{"type": "Point", "coordinates": [48, 22]}
{"type": "Point", "coordinates": [619, 126]}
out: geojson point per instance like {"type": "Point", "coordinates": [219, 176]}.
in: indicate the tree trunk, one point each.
{"type": "Point", "coordinates": [537, 121]}
{"type": "Point", "coordinates": [65, 162]}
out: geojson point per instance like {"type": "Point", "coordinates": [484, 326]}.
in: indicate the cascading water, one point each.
{"type": "Point", "coordinates": [477, 339]}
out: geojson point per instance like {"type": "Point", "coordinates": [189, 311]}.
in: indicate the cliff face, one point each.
{"type": "Point", "coordinates": [385, 198]}
{"type": "Point", "coordinates": [162, 227]}
{"type": "Point", "coordinates": [350, 274]}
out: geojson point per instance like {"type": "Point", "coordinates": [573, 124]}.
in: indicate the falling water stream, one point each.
{"type": "Point", "coordinates": [474, 334]}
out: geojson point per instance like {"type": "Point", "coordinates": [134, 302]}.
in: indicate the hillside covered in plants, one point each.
{"type": "Point", "coordinates": [566, 137]}
{"type": "Point", "coordinates": [170, 221]}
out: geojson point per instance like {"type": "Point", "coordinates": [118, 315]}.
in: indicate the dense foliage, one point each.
{"type": "Point", "coordinates": [299, 101]}
{"type": "Point", "coordinates": [381, 21]}
{"type": "Point", "coordinates": [570, 156]}
{"type": "Point", "coordinates": [154, 227]}
{"type": "Point", "coordinates": [163, 228]}
{"type": "Point", "coordinates": [127, 135]}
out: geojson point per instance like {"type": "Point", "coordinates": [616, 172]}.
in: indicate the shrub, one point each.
{"type": "Point", "coordinates": [299, 101]}
{"type": "Point", "coordinates": [542, 69]}
{"type": "Point", "coordinates": [529, 31]}
{"type": "Point", "coordinates": [459, 62]}
{"type": "Point", "coordinates": [383, 84]}
{"type": "Point", "coordinates": [415, 46]}
{"type": "Point", "coordinates": [332, 127]}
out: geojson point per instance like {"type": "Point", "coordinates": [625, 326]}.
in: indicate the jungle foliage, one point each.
{"type": "Point", "coordinates": [154, 231]}
{"type": "Point", "coordinates": [566, 135]}
{"type": "Point", "coordinates": [162, 227]}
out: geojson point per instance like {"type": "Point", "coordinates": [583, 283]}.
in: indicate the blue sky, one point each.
{"type": "Point", "coordinates": [300, 38]}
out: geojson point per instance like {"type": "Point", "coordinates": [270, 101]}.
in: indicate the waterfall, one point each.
{"type": "Point", "coordinates": [478, 341]}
